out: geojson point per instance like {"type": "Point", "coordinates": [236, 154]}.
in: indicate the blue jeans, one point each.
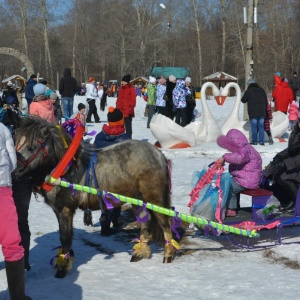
{"type": "Point", "coordinates": [67, 103]}
{"type": "Point", "coordinates": [257, 126]}
{"type": "Point", "coordinates": [234, 195]}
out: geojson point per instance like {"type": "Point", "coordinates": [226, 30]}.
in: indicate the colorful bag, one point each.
{"type": "Point", "coordinates": [210, 193]}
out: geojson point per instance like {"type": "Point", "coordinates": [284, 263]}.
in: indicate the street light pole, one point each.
{"type": "Point", "coordinates": [249, 48]}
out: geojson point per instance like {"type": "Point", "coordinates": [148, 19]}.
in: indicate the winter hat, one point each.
{"type": "Point", "coordinates": [115, 116]}
{"type": "Point", "coordinates": [284, 79]}
{"type": "Point", "coordinates": [91, 79]}
{"type": "Point", "coordinates": [39, 89]}
{"type": "Point", "coordinates": [80, 106]}
{"type": "Point", "coordinates": [188, 79]}
{"type": "Point", "coordinates": [9, 83]}
{"type": "Point", "coordinates": [162, 81]}
{"type": "Point", "coordinates": [52, 96]}
{"type": "Point", "coordinates": [152, 79]}
{"type": "Point", "coordinates": [250, 81]}
{"type": "Point", "coordinates": [33, 76]}
{"type": "Point", "coordinates": [172, 78]}
{"type": "Point", "coordinates": [126, 78]}
{"type": "Point", "coordinates": [278, 74]}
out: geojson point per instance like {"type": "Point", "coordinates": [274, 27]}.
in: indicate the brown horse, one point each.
{"type": "Point", "coordinates": [131, 168]}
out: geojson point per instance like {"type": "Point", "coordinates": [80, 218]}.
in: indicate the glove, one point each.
{"type": "Point", "coordinates": [277, 159]}
{"type": "Point", "coordinates": [277, 168]}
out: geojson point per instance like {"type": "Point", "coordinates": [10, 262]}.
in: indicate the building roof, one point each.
{"type": "Point", "coordinates": [220, 76]}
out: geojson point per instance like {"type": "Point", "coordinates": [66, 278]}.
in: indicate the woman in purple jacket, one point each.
{"type": "Point", "coordinates": [245, 166]}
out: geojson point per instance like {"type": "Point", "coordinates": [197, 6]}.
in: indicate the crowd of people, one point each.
{"type": "Point", "coordinates": [171, 97]}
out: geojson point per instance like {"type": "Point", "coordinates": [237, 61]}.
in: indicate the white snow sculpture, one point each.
{"type": "Point", "coordinates": [169, 134]}
{"type": "Point", "coordinates": [233, 120]}
{"type": "Point", "coordinates": [208, 129]}
{"type": "Point", "coordinates": [279, 124]}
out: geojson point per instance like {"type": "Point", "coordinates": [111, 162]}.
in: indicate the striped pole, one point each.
{"type": "Point", "coordinates": [169, 212]}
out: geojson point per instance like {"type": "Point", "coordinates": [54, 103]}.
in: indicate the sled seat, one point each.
{"type": "Point", "coordinates": [259, 200]}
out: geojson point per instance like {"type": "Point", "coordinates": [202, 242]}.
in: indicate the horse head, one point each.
{"type": "Point", "coordinates": [39, 146]}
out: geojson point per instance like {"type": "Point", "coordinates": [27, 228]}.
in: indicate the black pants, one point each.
{"type": "Point", "coordinates": [92, 111]}
{"type": "Point", "coordinates": [22, 193]}
{"type": "Point", "coordinates": [181, 116]}
{"type": "Point", "coordinates": [161, 110]}
{"type": "Point", "coordinates": [128, 126]}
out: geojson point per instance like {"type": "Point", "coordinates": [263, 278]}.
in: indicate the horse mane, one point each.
{"type": "Point", "coordinates": [56, 138]}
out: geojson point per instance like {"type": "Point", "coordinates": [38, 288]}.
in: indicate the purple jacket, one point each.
{"type": "Point", "coordinates": [245, 163]}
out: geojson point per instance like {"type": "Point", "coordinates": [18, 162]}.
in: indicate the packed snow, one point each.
{"type": "Point", "coordinates": [207, 267]}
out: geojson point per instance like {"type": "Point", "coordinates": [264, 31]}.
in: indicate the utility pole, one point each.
{"type": "Point", "coordinates": [249, 20]}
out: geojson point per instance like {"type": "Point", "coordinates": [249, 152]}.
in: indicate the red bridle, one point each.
{"type": "Point", "coordinates": [25, 163]}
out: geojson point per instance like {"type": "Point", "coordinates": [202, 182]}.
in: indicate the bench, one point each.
{"type": "Point", "coordinates": [259, 200]}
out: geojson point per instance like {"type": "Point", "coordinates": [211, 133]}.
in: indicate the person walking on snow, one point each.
{"type": "Point", "coordinates": [282, 95]}
{"type": "Point", "coordinates": [91, 96]}
{"type": "Point", "coordinates": [293, 114]}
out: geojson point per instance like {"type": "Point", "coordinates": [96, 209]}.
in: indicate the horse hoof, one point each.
{"type": "Point", "coordinates": [168, 260]}
{"type": "Point", "coordinates": [136, 258]}
{"type": "Point", "coordinates": [61, 273]}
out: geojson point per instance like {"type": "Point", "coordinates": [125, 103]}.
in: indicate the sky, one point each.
{"type": "Point", "coordinates": [207, 267]}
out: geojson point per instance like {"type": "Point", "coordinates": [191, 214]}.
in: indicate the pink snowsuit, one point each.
{"type": "Point", "coordinates": [9, 232]}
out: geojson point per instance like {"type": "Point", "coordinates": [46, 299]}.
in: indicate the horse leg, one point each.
{"type": "Point", "coordinates": [164, 222]}
{"type": "Point", "coordinates": [65, 254]}
{"type": "Point", "coordinates": [141, 249]}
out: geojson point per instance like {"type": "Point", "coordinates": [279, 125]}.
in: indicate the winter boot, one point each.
{"type": "Point", "coordinates": [271, 142]}
{"type": "Point", "coordinates": [115, 217]}
{"type": "Point", "coordinates": [15, 279]}
{"type": "Point", "coordinates": [105, 220]}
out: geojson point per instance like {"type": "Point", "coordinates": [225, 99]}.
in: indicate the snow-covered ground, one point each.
{"type": "Point", "coordinates": [207, 267]}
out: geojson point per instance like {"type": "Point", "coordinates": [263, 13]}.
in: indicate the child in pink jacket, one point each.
{"type": "Point", "coordinates": [245, 166]}
{"type": "Point", "coordinates": [41, 105]}
{"type": "Point", "coordinates": [293, 114]}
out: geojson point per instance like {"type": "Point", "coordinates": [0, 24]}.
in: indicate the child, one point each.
{"type": "Point", "coordinates": [245, 165]}
{"type": "Point", "coordinates": [267, 121]}
{"type": "Point", "coordinates": [293, 114]}
{"type": "Point", "coordinates": [111, 134]}
{"type": "Point", "coordinates": [9, 233]}
{"type": "Point", "coordinates": [80, 115]}
{"type": "Point", "coordinates": [57, 107]}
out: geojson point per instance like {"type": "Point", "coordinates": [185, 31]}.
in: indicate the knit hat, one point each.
{"type": "Point", "coordinates": [284, 79]}
{"type": "Point", "coordinates": [39, 89]}
{"type": "Point", "coordinates": [172, 78]}
{"type": "Point", "coordinates": [152, 79]}
{"type": "Point", "coordinates": [81, 106]}
{"type": "Point", "coordinates": [188, 79]}
{"type": "Point", "coordinates": [278, 74]}
{"type": "Point", "coordinates": [115, 117]}
{"type": "Point", "coordinates": [126, 78]}
{"type": "Point", "coordinates": [91, 79]}
{"type": "Point", "coordinates": [33, 76]}
{"type": "Point", "coordinates": [52, 96]}
{"type": "Point", "coordinates": [250, 81]}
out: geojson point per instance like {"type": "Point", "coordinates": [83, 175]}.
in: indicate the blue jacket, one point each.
{"type": "Point", "coordinates": [104, 139]}
{"type": "Point", "coordinates": [29, 94]}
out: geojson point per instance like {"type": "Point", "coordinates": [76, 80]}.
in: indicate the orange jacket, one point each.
{"type": "Point", "coordinates": [126, 100]}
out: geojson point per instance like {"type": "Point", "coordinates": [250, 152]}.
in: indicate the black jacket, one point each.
{"type": "Point", "coordinates": [68, 85]}
{"type": "Point", "coordinates": [256, 99]}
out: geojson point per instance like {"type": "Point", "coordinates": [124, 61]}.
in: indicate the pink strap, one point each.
{"type": "Point", "coordinates": [206, 179]}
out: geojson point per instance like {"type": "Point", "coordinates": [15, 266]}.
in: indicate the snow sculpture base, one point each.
{"type": "Point", "coordinates": [169, 134]}
{"type": "Point", "coordinates": [279, 124]}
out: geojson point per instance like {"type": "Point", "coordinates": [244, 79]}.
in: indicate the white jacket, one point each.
{"type": "Point", "coordinates": [8, 157]}
{"type": "Point", "coordinates": [91, 91]}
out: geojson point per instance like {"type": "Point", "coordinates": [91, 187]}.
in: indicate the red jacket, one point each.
{"type": "Point", "coordinates": [126, 100]}
{"type": "Point", "coordinates": [283, 96]}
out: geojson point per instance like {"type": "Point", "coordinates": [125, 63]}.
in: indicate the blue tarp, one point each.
{"type": "Point", "coordinates": [179, 73]}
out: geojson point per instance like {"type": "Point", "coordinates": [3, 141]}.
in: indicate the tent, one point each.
{"type": "Point", "coordinates": [141, 80]}
{"type": "Point", "coordinates": [179, 73]}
